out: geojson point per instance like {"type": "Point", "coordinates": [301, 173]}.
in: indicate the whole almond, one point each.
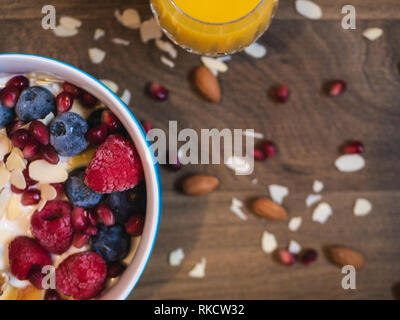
{"type": "Point", "coordinates": [345, 256]}
{"type": "Point", "coordinates": [198, 185]}
{"type": "Point", "coordinates": [207, 84]}
{"type": "Point", "coordinates": [269, 209]}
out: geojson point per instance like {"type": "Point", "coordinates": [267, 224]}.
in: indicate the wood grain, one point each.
{"type": "Point", "coordinates": [308, 130]}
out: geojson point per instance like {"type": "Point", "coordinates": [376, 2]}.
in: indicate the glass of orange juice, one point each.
{"type": "Point", "coordinates": [214, 27]}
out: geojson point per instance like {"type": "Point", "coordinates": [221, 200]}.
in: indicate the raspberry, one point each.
{"type": "Point", "coordinates": [115, 166]}
{"type": "Point", "coordinates": [23, 253]}
{"type": "Point", "coordinates": [52, 226]}
{"type": "Point", "coordinates": [81, 275]}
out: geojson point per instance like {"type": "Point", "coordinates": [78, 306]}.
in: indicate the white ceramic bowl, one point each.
{"type": "Point", "coordinates": [24, 63]}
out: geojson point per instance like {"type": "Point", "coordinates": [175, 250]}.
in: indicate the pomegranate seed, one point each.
{"type": "Point", "coordinates": [79, 219]}
{"type": "Point", "coordinates": [30, 197]}
{"type": "Point", "coordinates": [105, 215]}
{"type": "Point", "coordinates": [36, 276]}
{"type": "Point", "coordinates": [50, 154]}
{"type": "Point", "coordinates": [111, 121]}
{"type": "Point", "coordinates": [115, 269]}
{"type": "Point", "coordinates": [135, 225]}
{"type": "Point", "coordinates": [19, 82]}
{"type": "Point", "coordinates": [269, 149]}
{"type": "Point", "coordinates": [16, 190]}
{"type": "Point", "coordinates": [28, 179]}
{"type": "Point", "coordinates": [91, 230]}
{"type": "Point", "coordinates": [158, 92]}
{"type": "Point", "coordinates": [14, 126]}
{"type": "Point", "coordinates": [352, 147]}
{"type": "Point", "coordinates": [80, 239]}
{"type": "Point", "coordinates": [70, 88]}
{"type": "Point", "coordinates": [52, 295]}
{"type": "Point", "coordinates": [282, 93]}
{"type": "Point", "coordinates": [309, 256]}
{"type": "Point", "coordinates": [88, 100]}
{"type": "Point", "coordinates": [91, 215]}
{"type": "Point", "coordinates": [259, 155]}
{"type": "Point", "coordinates": [336, 88]}
{"type": "Point", "coordinates": [60, 190]}
{"type": "Point", "coordinates": [286, 257]}
{"type": "Point", "coordinates": [64, 101]}
{"type": "Point", "coordinates": [40, 132]}
{"type": "Point", "coordinates": [9, 97]}
{"type": "Point", "coordinates": [20, 138]}
{"type": "Point", "coordinates": [147, 126]}
{"type": "Point", "coordinates": [98, 135]}
{"type": "Point", "coordinates": [31, 149]}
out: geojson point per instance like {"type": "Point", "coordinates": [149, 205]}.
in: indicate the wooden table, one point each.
{"type": "Point", "coordinates": [304, 55]}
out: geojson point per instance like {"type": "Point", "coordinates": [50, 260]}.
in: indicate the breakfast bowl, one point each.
{"type": "Point", "coordinates": [44, 70]}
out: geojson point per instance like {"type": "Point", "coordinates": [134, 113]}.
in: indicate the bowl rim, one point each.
{"type": "Point", "coordinates": [154, 167]}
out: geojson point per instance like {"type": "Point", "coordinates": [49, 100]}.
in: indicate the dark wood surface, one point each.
{"type": "Point", "coordinates": [302, 54]}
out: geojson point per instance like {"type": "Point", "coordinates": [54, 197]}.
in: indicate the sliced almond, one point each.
{"type": "Point", "coordinates": [70, 22]}
{"type": "Point", "coordinates": [236, 208]}
{"type": "Point", "coordinates": [130, 18]}
{"type": "Point", "coordinates": [167, 62]}
{"type": "Point", "coordinates": [294, 247]}
{"type": "Point", "coordinates": [120, 41]}
{"type": "Point", "coordinates": [98, 33]}
{"type": "Point", "coordinates": [126, 97]}
{"type": "Point", "coordinates": [295, 223]}
{"type": "Point", "coordinates": [5, 146]}
{"type": "Point", "coordinates": [17, 179]}
{"type": "Point", "coordinates": [214, 64]}
{"type": "Point", "coordinates": [15, 160]}
{"type": "Point", "coordinates": [5, 197]}
{"type": "Point", "coordinates": [241, 165]}
{"type": "Point", "coordinates": [268, 242]}
{"type": "Point", "coordinates": [167, 47]}
{"type": "Point", "coordinates": [322, 212]}
{"type": "Point", "coordinates": [199, 270]}
{"type": "Point", "coordinates": [4, 279]}
{"type": "Point", "coordinates": [373, 34]}
{"type": "Point", "coordinates": [44, 172]}
{"type": "Point", "coordinates": [176, 257]}
{"type": "Point", "coordinates": [150, 30]}
{"type": "Point", "coordinates": [278, 193]}
{"type": "Point", "coordinates": [4, 177]}
{"type": "Point", "coordinates": [350, 163]}
{"type": "Point", "coordinates": [256, 50]}
{"type": "Point", "coordinates": [41, 204]}
{"type": "Point", "coordinates": [308, 9]}
{"type": "Point", "coordinates": [362, 207]}
{"type": "Point", "coordinates": [96, 55]}
{"type": "Point", "coordinates": [318, 186]}
{"type": "Point", "coordinates": [14, 210]}
{"type": "Point", "coordinates": [63, 32]}
{"type": "Point", "coordinates": [110, 85]}
{"type": "Point", "coordinates": [313, 199]}
{"type": "Point", "coordinates": [48, 192]}
{"type": "Point", "coordinates": [46, 120]}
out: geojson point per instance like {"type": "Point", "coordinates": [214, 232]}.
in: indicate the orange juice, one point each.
{"type": "Point", "coordinates": [214, 27]}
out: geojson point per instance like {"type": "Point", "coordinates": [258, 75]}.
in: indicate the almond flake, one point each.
{"type": "Point", "coordinates": [98, 33]}
{"type": "Point", "coordinates": [254, 181]}
{"type": "Point", "coordinates": [15, 160]}
{"type": "Point", "coordinates": [373, 34]}
{"type": "Point", "coordinates": [126, 97]}
{"type": "Point", "coordinates": [120, 41]}
{"type": "Point", "coordinates": [313, 199]}
{"type": "Point", "coordinates": [176, 257]}
{"type": "Point", "coordinates": [256, 50]}
{"type": "Point", "coordinates": [46, 120]}
{"type": "Point", "coordinates": [322, 212]}
{"type": "Point", "coordinates": [362, 207]}
{"type": "Point", "coordinates": [5, 146]}
{"type": "Point", "coordinates": [199, 270]}
{"type": "Point", "coordinates": [150, 30]}
{"type": "Point", "coordinates": [167, 47]}
{"type": "Point", "coordinates": [318, 186]}
{"type": "Point", "coordinates": [14, 210]}
{"type": "Point", "coordinates": [70, 22]}
{"type": "Point", "coordinates": [110, 85]}
{"type": "Point", "coordinates": [295, 223]}
{"type": "Point", "coordinates": [167, 62]}
{"type": "Point", "coordinates": [4, 177]}
{"type": "Point", "coordinates": [278, 193]}
{"type": "Point", "coordinates": [130, 18]}
{"type": "Point", "coordinates": [236, 208]}
{"type": "Point", "coordinates": [350, 163]}
{"type": "Point", "coordinates": [5, 197]}
{"type": "Point", "coordinates": [225, 58]}
{"type": "Point", "coordinates": [308, 9]}
{"type": "Point", "coordinates": [214, 64]}
{"type": "Point", "coordinates": [41, 204]}
{"type": "Point", "coordinates": [17, 179]}
{"type": "Point", "coordinates": [240, 165]}
{"type": "Point", "coordinates": [48, 192]}
{"type": "Point", "coordinates": [44, 172]}
{"type": "Point", "coordinates": [96, 55]}
{"type": "Point", "coordinates": [61, 31]}
{"type": "Point", "coordinates": [294, 247]}
{"type": "Point", "coordinates": [4, 279]}
{"type": "Point", "coordinates": [268, 242]}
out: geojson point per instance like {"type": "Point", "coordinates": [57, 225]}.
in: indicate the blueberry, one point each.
{"type": "Point", "coordinates": [35, 103]}
{"type": "Point", "coordinates": [94, 119]}
{"type": "Point", "coordinates": [68, 134]}
{"type": "Point", "coordinates": [79, 193]}
{"type": "Point", "coordinates": [128, 202]}
{"type": "Point", "coordinates": [112, 242]}
{"type": "Point", "coordinates": [6, 116]}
